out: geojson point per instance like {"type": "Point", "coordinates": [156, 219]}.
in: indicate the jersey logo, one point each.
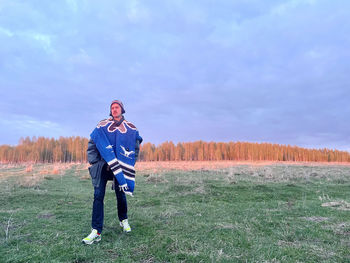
{"type": "Point", "coordinates": [126, 152]}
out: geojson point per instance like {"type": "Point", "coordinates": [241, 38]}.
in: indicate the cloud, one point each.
{"type": "Point", "coordinates": [73, 5]}
{"type": "Point", "coordinates": [230, 70]}
{"type": "Point", "coordinates": [6, 32]}
{"type": "Point", "coordinates": [81, 58]}
{"type": "Point", "coordinates": [16, 126]}
{"type": "Point", "coordinates": [136, 12]}
{"type": "Point", "coordinates": [43, 40]}
{"type": "Point", "coordinates": [290, 6]}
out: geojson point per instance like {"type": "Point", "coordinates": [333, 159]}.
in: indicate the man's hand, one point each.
{"type": "Point", "coordinates": [125, 189]}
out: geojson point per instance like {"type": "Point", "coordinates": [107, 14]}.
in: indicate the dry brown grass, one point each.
{"type": "Point", "coordinates": [183, 165]}
{"type": "Point", "coordinates": [316, 219]}
{"type": "Point", "coordinates": [30, 175]}
{"type": "Point", "coordinates": [10, 170]}
{"type": "Point", "coordinates": [52, 169]}
{"type": "Point", "coordinates": [82, 171]}
{"type": "Point", "coordinates": [233, 171]}
{"type": "Point", "coordinates": [29, 168]}
{"type": "Point", "coordinates": [216, 165]}
{"type": "Point", "coordinates": [341, 205]}
{"type": "Point", "coordinates": [155, 178]}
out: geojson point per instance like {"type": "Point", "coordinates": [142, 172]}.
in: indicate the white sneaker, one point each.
{"type": "Point", "coordinates": [125, 225]}
{"type": "Point", "coordinates": [93, 237]}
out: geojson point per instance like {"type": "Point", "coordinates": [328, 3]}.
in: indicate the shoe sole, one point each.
{"type": "Point", "coordinates": [90, 242]}
{"type": "Point", "coordinates": [126, 231]}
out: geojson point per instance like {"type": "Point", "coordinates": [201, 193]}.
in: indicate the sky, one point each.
{"type": "Point", "coordinates": [274, 71]}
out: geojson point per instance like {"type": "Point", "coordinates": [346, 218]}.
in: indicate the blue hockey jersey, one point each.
{"type": "Point", "coordinates": [116, 144]}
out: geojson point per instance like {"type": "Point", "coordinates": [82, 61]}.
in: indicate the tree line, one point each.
{"type": "Point", "coordinates": [240, 151]}
{"type": "Point", "coordinates": [73, 149]}
{"type": "Point", "coordinates": [45, 150]}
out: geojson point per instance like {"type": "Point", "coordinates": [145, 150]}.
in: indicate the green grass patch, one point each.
{"type": "Point", "coordinates": [217, 216]}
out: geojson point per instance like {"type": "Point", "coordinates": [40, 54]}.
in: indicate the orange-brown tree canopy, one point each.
{"type": "Point", "coordinates": [73, 149]}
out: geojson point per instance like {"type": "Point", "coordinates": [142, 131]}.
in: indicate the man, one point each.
{"type": "Point", "coordinates": [112, 152]}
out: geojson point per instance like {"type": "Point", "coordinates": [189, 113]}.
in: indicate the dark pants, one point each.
{"type": "Point", "coordinates": [99, 194]}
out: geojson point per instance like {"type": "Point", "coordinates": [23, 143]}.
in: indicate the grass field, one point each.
{"type": "Point", "coordinates": [245, 213]}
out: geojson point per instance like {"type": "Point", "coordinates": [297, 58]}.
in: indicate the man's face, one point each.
{"type": "Point", "coordinates": [116, 110]}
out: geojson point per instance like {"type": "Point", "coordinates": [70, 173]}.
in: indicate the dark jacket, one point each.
{"type": "Point", "coordinates": [97, 163]}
